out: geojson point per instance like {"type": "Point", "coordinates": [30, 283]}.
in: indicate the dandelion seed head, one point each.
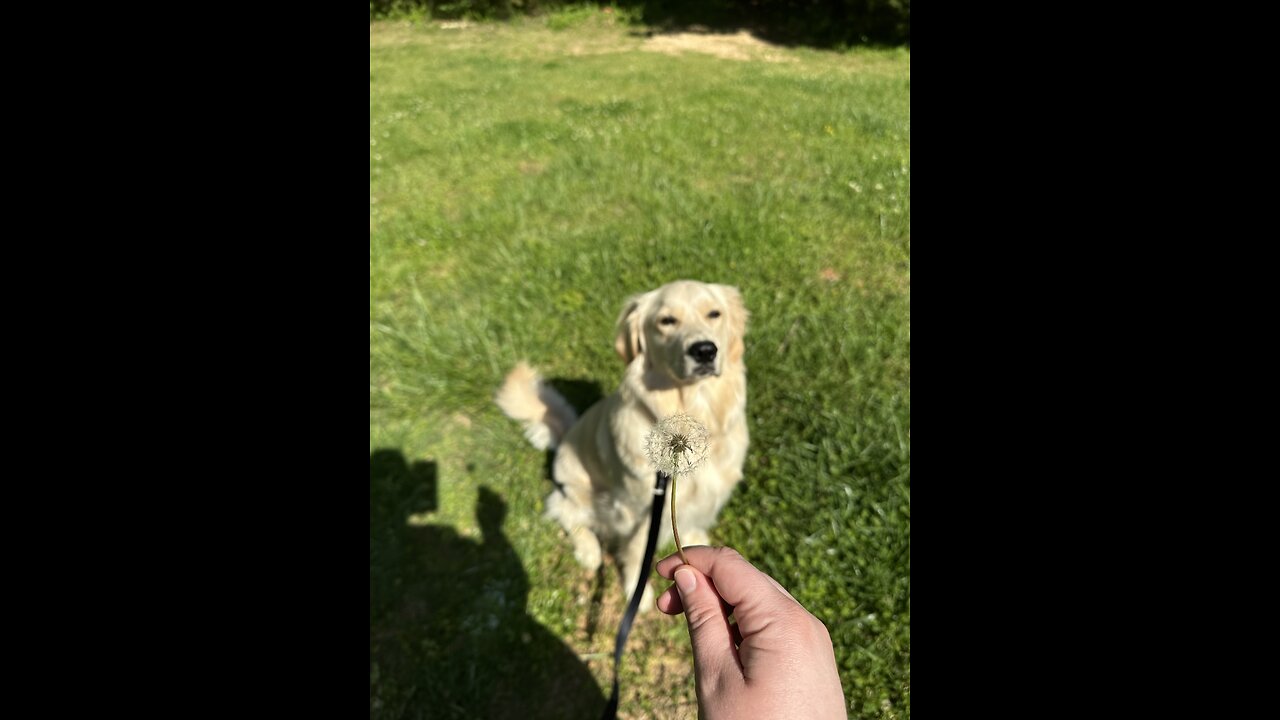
{"type": "Point", "coordinates": [676, 444]}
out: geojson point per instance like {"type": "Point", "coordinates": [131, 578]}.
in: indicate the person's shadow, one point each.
{"type": "Point", "coordinates": [448, 633]}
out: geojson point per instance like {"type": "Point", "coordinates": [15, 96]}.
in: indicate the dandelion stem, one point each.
{"type": "Point", "coordinates": [677, 443]}
{"type": "Point", "coordinates": [675, 533]}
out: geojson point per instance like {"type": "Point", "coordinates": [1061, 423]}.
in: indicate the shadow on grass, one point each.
{"type": "Point", "coordinates": [581, 394]}
{"type": "Point", "coordinates": [822, 24]}
{"type": "Point", "coordinates": [449, 636]}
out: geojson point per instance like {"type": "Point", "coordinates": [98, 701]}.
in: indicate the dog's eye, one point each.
{"type": "Point", "coordinates": [713, 314]}
{"type": "Point", "coordinates": [667, 320]}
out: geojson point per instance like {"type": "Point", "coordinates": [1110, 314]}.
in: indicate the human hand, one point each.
{"type": "Point", "coordinates": [776, 662]}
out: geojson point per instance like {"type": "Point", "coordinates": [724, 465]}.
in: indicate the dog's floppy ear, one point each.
{"type": "Point", "coordinates": [629, 329]}
{"type": "Point", "coordinates": [738, 316]}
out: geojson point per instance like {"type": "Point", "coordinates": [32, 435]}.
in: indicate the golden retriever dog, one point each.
{"type": "Point", "coordinates": [683, 346]}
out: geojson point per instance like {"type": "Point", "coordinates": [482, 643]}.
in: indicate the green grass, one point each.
{"type": "Point", "coordinates": [524, 179]}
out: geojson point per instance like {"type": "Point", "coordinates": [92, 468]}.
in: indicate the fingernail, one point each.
{"type": "Point", "coordinates": [686, 581]}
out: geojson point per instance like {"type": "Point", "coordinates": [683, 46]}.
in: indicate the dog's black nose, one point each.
{"type": "Point", "coordinates": [703, 352]}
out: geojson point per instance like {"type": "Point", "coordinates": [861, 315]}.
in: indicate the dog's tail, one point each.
{"type": "Point", "coordinates": [544, 413]}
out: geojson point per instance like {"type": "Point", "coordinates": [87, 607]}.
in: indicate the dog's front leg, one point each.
{"type": "Point", "coordinates": [631, 563]}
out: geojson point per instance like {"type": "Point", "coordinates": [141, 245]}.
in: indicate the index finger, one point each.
{"type": "Point", "coordinates": [738, 581]}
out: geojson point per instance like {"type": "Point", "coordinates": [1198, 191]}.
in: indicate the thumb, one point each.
{"type": "Point", "coordinates": [714, 655]}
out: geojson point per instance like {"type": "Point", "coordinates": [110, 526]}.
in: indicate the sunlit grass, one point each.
{"type": "Point", "coordinates": [524, 180]}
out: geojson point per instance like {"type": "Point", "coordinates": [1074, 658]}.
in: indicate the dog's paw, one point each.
{"type": "Point", "coordinates": [647, 601]}
{"type": "Point", "coordinates": [586, 550]}
{"type": "Point", "coordinates": [646, 598]}
{"type": "Point", "coordinates": [696, 537]}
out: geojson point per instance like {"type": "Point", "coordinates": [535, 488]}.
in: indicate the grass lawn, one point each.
{"type": "Point", "coordinates": [524, 179]}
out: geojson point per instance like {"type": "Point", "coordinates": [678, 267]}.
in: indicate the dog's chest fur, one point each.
{"type": "Point", "coordinates": [718, 403]}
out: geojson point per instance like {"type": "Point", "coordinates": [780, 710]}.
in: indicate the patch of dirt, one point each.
{"type": "Point", "coordinates": [531, 167]}
{"type": "Point", "coordinates": [738, 46]}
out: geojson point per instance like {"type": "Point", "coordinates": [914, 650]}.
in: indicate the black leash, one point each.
{"type": "Point", "coordinates": [655, 523]}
